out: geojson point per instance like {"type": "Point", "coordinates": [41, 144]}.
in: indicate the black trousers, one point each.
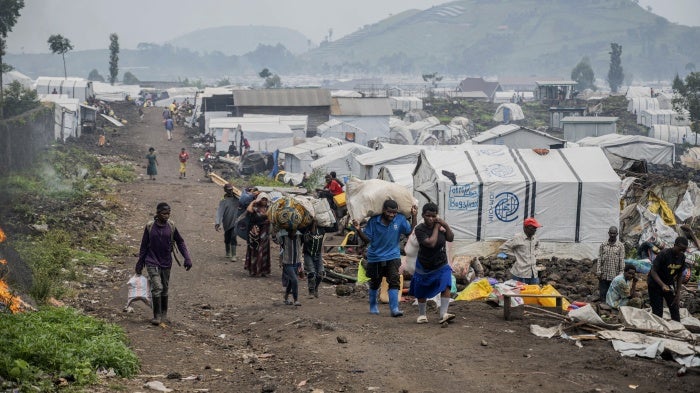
{"type": "Point", "coordinates": [389, 269]}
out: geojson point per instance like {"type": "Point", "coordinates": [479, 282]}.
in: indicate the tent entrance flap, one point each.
{"type": "Point", "coordinates": [577, 235]}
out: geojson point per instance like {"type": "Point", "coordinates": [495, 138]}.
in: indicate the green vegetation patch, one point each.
{"type": "Point", "coordinates": [38, 347]}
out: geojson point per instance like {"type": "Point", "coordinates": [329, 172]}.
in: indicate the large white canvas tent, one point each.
{"type": "Point", "coordinates": [112, 93]}
{"type": "Point", "coordinates": [573, 192]}
{"type": "Point", "coordinates": [79, 88]}
{"type": "Point", "coordinates": [262, 136]}
{"type": "Point", "coordinates": [335, 128]}
{"type": "Point", "coordinates": [618, 147]}
{"type": "Point", "coordinates": [674, 134]}
{"type": "Point", "coordinates": [649, 117]}
{"type": "Point", "coordinates": [390, 154]}
{"type": "Point", "coordinates": [14, 75]}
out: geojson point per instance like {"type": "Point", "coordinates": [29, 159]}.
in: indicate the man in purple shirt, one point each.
{"type": "Point", "coordinates": [156, 253]}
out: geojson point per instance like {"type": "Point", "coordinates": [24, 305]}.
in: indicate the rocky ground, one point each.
{"type": "Point", "coordinates": [232, 333]}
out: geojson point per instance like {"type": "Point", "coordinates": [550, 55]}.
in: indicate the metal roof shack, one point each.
{"type": "Point", "coordinates": [579, 127]}
{"type": "Point", "coordinates": [282, 97]}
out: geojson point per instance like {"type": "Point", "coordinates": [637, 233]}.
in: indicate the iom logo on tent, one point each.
{"type": "Point", "coordinates": [506, 206]}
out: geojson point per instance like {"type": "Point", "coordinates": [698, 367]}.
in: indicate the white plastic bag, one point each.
{"type": "Point", "coordinates": [138, 290]}
{"type": "Point", "coordinates": [411, 250]}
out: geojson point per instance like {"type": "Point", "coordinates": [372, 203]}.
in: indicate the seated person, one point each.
{"type": "Point", "coordinates": [232, 151]}
{"type": "Point", "coordinates": [623, 289]}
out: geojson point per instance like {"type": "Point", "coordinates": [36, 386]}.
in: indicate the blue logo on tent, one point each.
{"type": "Point", "coordinates": [506, 207]}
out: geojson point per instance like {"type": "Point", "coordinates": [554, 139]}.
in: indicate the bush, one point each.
{"type": "Point", "coordinates": [39, 347]}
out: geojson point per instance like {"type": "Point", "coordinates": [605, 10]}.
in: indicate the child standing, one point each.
{"type": "Point", "coordinates": [184, 156]}
{"type": "Point", "coordinates": [291, 259]}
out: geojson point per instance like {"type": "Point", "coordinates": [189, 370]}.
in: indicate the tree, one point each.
{"type": "Point", "coordinates": [130, 79]}
{"type": "Point", "coordinates": [687, 98]}
{"type": "Point", "coordinates": [583, 75]}
{"type": "Point", "coordinates": [19, 99]}
{"type": "Point", "coordinates": [223, 82]}
{"type": "Point", "coordinates": [433, 78]}
{"type": "Point", "coordinates": [9, 12]}
{"type": "Point", "coordinates": [60, 45]}
{"type": "Point", "coordinates": [616, 74]}
{"type": "Point", "coordinates": [94, 75]}
{"type": "Point", "coordinates": [272, 81]}
{"type": "Point", "coordinates": [113, 57]}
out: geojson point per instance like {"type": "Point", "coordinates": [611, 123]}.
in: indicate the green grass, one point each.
{"type": "Point", "coordinates": [122, 173]}
{"type": "Point", "coordinates": [38, 347]}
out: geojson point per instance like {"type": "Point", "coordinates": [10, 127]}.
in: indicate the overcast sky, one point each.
{"type": "Point", "coordinates": [88, 23]}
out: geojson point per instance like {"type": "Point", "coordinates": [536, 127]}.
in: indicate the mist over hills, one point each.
{"type": "Point", "coordinates": [544, 38]}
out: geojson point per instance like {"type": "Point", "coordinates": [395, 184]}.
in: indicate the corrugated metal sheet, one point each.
{"type": "Point", "coordinates": [556, 82]}
{"type": "Point", "coordinates": [505, 129]}
{"type": "Point", "coordinates": [588, 119]}
{"type": "Point", "coordinates": [341, 106]}
{"type": "Point", "coordinates": [282, 97]}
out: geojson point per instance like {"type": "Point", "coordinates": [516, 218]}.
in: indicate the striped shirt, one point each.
{"type": "Point", "coordinates": [313, 241]}
{"type": "Point", "coordinates": [290, 250]}
{"type": "Point", "coordinates": [611, 260]}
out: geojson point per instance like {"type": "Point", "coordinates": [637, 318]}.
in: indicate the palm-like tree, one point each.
{"type": "Point", "coordinates": [60, 45]}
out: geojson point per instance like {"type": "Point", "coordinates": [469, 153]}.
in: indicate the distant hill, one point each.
{"type": "Point", "coordinates": [518, 37]}
{"type": "Point", "coordinates": [238, 40]}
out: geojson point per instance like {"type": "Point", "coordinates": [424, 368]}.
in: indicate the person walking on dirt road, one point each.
{"type": "Point", "coordinates": [611, 262]}
{"type": "Point", "coordinates": [226, 215]}
{"type": "Point", "coordinates": [313, 262]}
{"type": "Point", "coordinates": [160, 236]}
{"type": "Point", "coordinates": [152, 169]}
{"type": "Point", "coordinates": [257, 256]}
{"type": "Point", "coordinates": [433, 274]}
{"type": "Point", "coordinates": [664, 279]}
{"type": "Point", "coordinates": [183, 157]}
{"type": "Point", "coordinates": [524, 246]}
{"type": "Point", "coordinates": [169, 127]}
{"type": "Point", "coordinates": [291, 261]}
{"type": "Point", "coordinates": [383, 233]}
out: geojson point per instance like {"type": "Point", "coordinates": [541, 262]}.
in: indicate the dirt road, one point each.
{"type": "Point", "coordinates": [232, 333]}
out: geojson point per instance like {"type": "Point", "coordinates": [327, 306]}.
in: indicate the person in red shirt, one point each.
{"type": "Point", "coordinates": [184, 156]}
{"type": "Point", "coordinates": [333, 186]}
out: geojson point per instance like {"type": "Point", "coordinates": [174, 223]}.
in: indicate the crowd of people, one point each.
{"type": "Point", "coordinates": [246, 216]}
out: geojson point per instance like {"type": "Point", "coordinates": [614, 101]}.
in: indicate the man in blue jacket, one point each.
{"type": "Point", "coordinates": [383, 233]}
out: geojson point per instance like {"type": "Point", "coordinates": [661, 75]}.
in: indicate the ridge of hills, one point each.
{"type": "Point", "coordinates": [516, 38]}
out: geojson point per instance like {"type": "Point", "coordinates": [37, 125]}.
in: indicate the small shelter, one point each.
{"type": "Point", "coordinates": [517, 137]}
{"type": "Point", "coordinates": [262, 136]}
{"type": "Point", "coordinates": [297, 158]}
{"type": "Point", "coordinates": [485, 193]}
{"type": "Point", "coordinates": [478, 88]}
{"type": "Point", "coordinates": [371, 162]}
{"type": "Point", "coordinates": [368, 114]}
{"type": "Point", "coordinates": [312, 102]}
{"type": "Point", "coordinates": [619, 148]}
{"type": "Point", "coordinates": [66, 122]}
{"type": "Point", "coordinates": [674, 134]}
{"type": "Point", "coordinates": [405, 104]}
{"type": "Point", "coordinates": [508, 112]}
{"type": "Point", "coordinates": [554, 90]}
{"type": "Point", "coordinates": [340, 159]}
{"type": "Point", "coordinates": [579, 127]}
{"type": "Point", "coordinates": [649, 117]}
{"type": "Point", "coordinates": [335, 128]}
{"type": "Point", "coordinates": [556, 113]}
{"type": "Point", "coordinates": [298, 123]}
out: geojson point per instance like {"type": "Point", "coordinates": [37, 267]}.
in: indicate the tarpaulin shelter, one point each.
{"type": "Point", "coordinates": [636, 147]}
{"type": "Point", "coordinates": [485, 193]}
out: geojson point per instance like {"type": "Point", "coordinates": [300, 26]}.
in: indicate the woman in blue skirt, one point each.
{"type": "Point", "coordinates": [433, 274]}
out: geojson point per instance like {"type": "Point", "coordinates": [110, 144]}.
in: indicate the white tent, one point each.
{"type": "Point", "coordinates": [638, 91]}
{"type": "Point", "coordinates": [298, 157]}
{"type": "Point", "coordinates": [261, 135]}
{"type": "Point", "coordinates": [340, 159]}
{"type": "Point", "coordinates": [399, 174]}
{"type": "Point", "coordinates": [636, 147]}
{"type": "Point", "coordinates": [674, 134]}
{"type": "Point", "coordinates": [405, 104]}
{"type": "Point", "coordinates": [508, 112]}
{"type": "Point", "coordinates": [649, 117]}
{"type": "Point", "coordinates": [9, 77]}
{"type": "Point", "coordinates": [79, 88]}
{"type": "Point", "coordinates": [66, 116]}
{"type": "Point", "coordinates": [335, 128]}
{"type": "Point", "coordinates": [390, 154]}
{"type": "Point", "coordinates": [111, 93]}
{"type": "Point", "coordinates": [574, 193]}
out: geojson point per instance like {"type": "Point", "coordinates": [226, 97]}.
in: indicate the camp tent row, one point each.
{"type": "Point", "coordinates": [485, 193]}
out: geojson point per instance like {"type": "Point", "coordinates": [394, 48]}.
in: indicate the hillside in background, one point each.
{"type": "Point", "coordinates": [504, 38]}
{"type": "Point", "coordinates": [238, 40]}
{"type": "Point", "coordinates": [518, 37]}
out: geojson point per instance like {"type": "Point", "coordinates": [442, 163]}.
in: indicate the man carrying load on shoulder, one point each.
{"type": "Point", "coordinates": [383, 233]}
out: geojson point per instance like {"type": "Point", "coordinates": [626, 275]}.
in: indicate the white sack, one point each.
{"type": "Point", "coordinates": [690, 205]}
{"type": "Point", "coordinates": [138, 289]}
{"type": "Point", "coordinates": [322, 212]}
{"type": "Point", "coordinates": [366, 197]}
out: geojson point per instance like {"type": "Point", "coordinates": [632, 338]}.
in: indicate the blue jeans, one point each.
{"type": "Point", "coordinates": [528, 281]}
{"type": "Point", "coordinates": [313, 266]}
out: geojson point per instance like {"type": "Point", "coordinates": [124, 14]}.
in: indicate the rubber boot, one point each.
{"type": "Point", "coordinates": [233, 252]}
{"type": "Point", "coordinates": [373, 307]}
{"type": "Point", "coordinates": [394, 303]}
{"type": "Point", "coordinates": [228, 251]}
{"type": "Point", "coordinates": [164, 309]}
{"type": "Point", "coordinates": [156, 311]}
